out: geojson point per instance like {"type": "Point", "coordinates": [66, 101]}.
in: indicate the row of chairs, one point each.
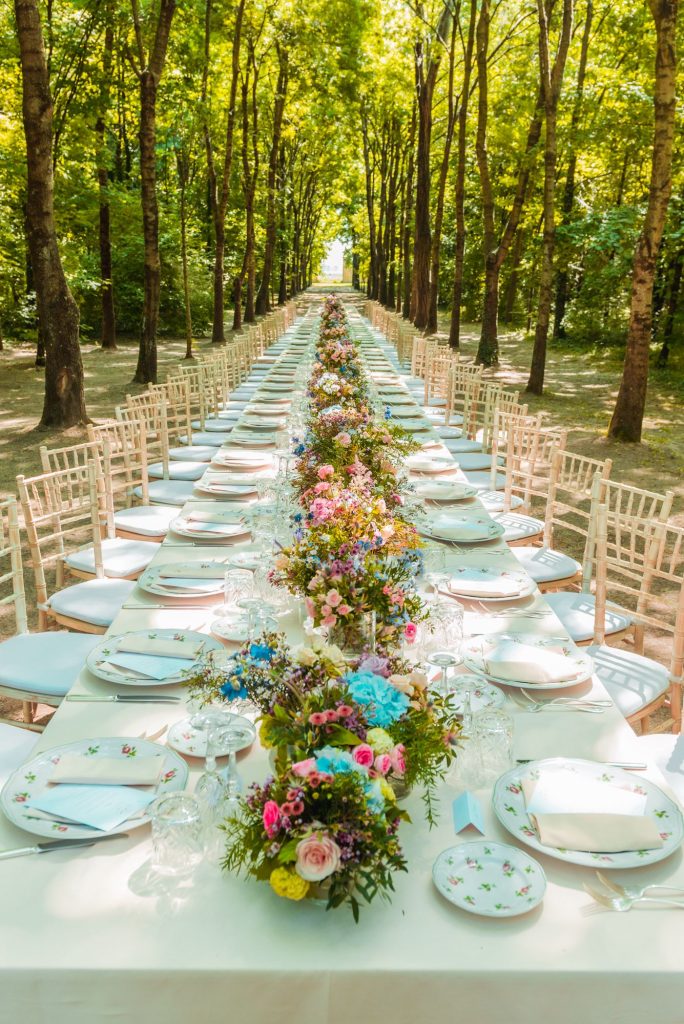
{"type": "Point", "coordinates": [94, 518]}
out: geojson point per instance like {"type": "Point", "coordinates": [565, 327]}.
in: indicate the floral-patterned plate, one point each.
{"type": "Point", "coordinates": [33, 777]}
{"type": "Point", "coordinates": [476, 649]}
{"type": "Point", "coordinates": [98, 658]}
{"type": "Point", "coordinates": [209, 582]}
{"type": "Point", "coordinates": [184, 738]}
{"type": "Point", "coordinates": [508, 802]}
{"type": "Point", "coordinates": [492, 879]}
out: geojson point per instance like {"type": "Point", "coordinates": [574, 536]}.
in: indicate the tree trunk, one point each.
{"type": "Point", "coordinates": [237, 302]}
{"type": "Point", "coordinates": [64, 404]}
{"type": "Point", "coordinates": [672, 303]}
{"type": "Point", "coordinates": [406, 272]}
{"type": "Point", "coordinates": [627, 420]}
{"type": "Point", "coordinates": [262, 301]}
{"type": "Point", "coordinates": [108, 339]}
{"type": "Point", "coordinates": [459, 188]}
{"type": "Point", "coordinates": [422, 242]}
{"type": "Point", "coordinates": [551, 84]}
{"type": "Point", "coordinates": [184, 174]}
{"type": "Point", "coordinates": [149, 74]}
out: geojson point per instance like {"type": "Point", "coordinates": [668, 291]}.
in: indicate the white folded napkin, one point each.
{"type": "Point", "coordinates": [471, 583]}
{"type": "Point", "coordinates": [108, 771]}
{"type": "Point", "coordinates": [214, 571]}
{"type": "Point", "coordinates": [161, 646]}
{"type": "Point", "coordinates": [526, 663]}
{"type": "Point", "coordinates": [587, 815]}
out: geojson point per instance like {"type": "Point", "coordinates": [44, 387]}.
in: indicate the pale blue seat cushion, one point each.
{"type": "Point", "coordinates": [193, 453]}
{"type": "Point", "coordinates": [473, 459]}
{"type": "Point", "coordinates": [204, 437]}
{"type": "Point", "coordinates": [631, 680]}
{"type": "Point", "coordinates": [45, 663]}
{"type": "Point", "coordinates": [576, 612]}
{"type": "Point", "coordinates": [462, 445]}
{"type": "Point", "coordinates": [167, 492]}
{"type": "Point", "coordinates": [519, 527]}
{"type": "Point", "coordinates": [145, 520]}
{"type": "Point", "coordinates": [121, 557]}
{"type": "Point", "coordinates": [545, 565]}
{"type": "Point", "coordinates": [96, 602]}
{"type": "Point", "coordinates": [482, 478]}
{"type": "Point", "coordinates": [177, 470]}
{"type": "Point", "coordinates": [494, 501]}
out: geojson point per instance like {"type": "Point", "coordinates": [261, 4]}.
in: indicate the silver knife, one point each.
{"type": "Point", "coordinates": [629, 766]}
{"type": "Point", "coordinates": [126, 698]}
{"type": "Point", "coordinates": [59, 844]}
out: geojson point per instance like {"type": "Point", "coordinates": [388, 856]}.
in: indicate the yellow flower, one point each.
{"type": "Point", "coordinates": [387, 791]}
{"type": "Point", "coordinates": [288, 884]}
{"type": "Point", "coordinates": [380, 741]}
{"type": "Point", "coordinates": [263, 733]}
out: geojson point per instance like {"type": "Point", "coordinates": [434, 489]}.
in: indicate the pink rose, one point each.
{"type": "Point", "coordinates": [333, 598]}
{"type": "Point", "coordinates": [330, 715]}
{"type": "Point", "coordinates": [325, 471]}
{"type": "Point", "coordinates": [343, 609]}
{"type": "Point", "coordinates": [383, 764]}
{"type": "Point", "coordinates": [271, 818]}
{"type": "Point", "coordinates": [318, 856]}
{"type": "Point", "coordinates": [344, 711]}
{"type": "Point", "coordinates": [410, 631]}
{"type": "Point", "coordinates": [363, 755]}
{"type": "Point", "coordinates": [329, 620]}
{"type": "Point", "coordinates": [317, 718]}
{"type": "Point", "coordinates": [343, 438]}
{"type": "Point", "coordinates": [310, 607]}
{"type": "Point", "coordinates": [398, 759]}
{"type": "Point", "coordinates": [303, 768]}
{"type": "Point", "coordinates": [321, 487]}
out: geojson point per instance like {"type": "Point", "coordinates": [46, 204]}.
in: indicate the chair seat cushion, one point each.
{"type": "Point", "coordinates": [145, 520]}
{"type": "Point", "coordinates": [473, 460]}
{"type": "Point", "coordinates": [222, 426]}
{"type": "Point", "coordinates": [45, 663]}
{"type": "Point", "coordinates": [547, 566]}
{"type": "Point", "coordinates": [121, 557]}
{"type": "Point", "coordinates": [16, 746]}
{"type": "Point", "coordinates": [193, 453]}
{"type": "Point", "coordinates": [576, 612]}
{"type": "Point", "coordinates": [631, 680]}
{"type": "Point", "coordinates": [205, 437]}
{"type": "Point", "coordinates": [519, 527]}
{"type": "Point", "coordinates": [494, 501]}
{"type": "Point", "coordinates": [177, 470]}
{"type": "Point", "coordinates": [167, 492]}
{"type": "Point", "coordinates": [482, 478]}
{"type": "Point", "coordinates": [463, 445]}
{"type": "Point", "coordinates": [96, 602]}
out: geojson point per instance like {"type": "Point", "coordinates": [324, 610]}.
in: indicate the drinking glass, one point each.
{"type": "Point", "coordinates": [212, 789]}
{"type": "Point", "coordinates": [435, 570]}
{"type": "Point", "coordinates": [492, 730]}
{"type": "Point", "coordinates": [443, 639]}
{"type": "Point", "coordinates": [177, 834]}
{"type": "Point", "coordinates": [238, 584]}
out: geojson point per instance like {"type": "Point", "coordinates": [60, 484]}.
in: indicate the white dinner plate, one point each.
{"type": "Point", "coordinates": [491, 879]}
{"type": "Point", "coordinates": [508, 801]}
{"type": "Point", "coordinates": [430, 464]}
{"type": "Point", "coordinates": [526, 586]}
{"type": "Point", "coordinates": [446, 490]}
{"type": "Point", "coordinates": [32, 778]}
{"type": "Point", "coordinates": [192, 742]}
{"type": "Point", "coordinates": [228, 532]}
{"type": "Point", "coordinates": [442, 526]}
{"type": "Point", "coordinates": [98, 658]}
{"type": "Point", "coordinates": [151, 580]}
{"type": "Point", "coordinates": [476, 648]}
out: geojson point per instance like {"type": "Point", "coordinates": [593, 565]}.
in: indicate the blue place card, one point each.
{"type": "Point", "coordinates": [467, 813]}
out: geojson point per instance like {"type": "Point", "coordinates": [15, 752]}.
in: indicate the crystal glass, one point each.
{"type": "Point", "coordinates": [492, 730]}
{"type": "Point", "coordinates": [177, 834]}
{"type": "Point", "coordinates": [212, 790]}
{"type": "Point", "coordinates": [435, 569]}
{"type": "Point", "coordinates": [238, 584]}
{"type": "Point", "coordinates": [443, 638]}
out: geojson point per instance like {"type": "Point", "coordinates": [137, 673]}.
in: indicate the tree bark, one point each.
{"type": "Point", "coordinates": [406, 272]}
{"type": "Point", "coordinates": [183, 165]}
{"type": "Point", "coordinates": [108, 339]}
{"type": "Point", "coordinates": [64, 403]}
{"type": "Point", "coordinates": [149, 71]}
{"type": "Point", "coordinates": [671, 312]}
{"type": "Point", "coordinates": [627, 420]}
{"type": "Point", "coordinates": [263, 298]}
{"type": "Point", "coordinates": [422, 240]}
{"type": "Point", "coordinates": [551, 84]}
{"type": "Point", "coordinates": [459, 188]}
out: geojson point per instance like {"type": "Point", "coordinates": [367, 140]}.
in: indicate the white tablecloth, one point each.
{"type": "Point", "coordinates": [79, 944]}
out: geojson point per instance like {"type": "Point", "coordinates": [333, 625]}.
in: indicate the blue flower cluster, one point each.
{"type": "Point", "coordinates": [384, 704]}
{"type": "Point", "coordinates": [339, 762]}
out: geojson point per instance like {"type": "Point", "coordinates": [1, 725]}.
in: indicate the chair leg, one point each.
{"type": "Point", "coordinates": [28, 709]}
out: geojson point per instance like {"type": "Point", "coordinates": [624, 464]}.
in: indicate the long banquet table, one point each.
{"type": "Point", "coordinates": [81, 943]}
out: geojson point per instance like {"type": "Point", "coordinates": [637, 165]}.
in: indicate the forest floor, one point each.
{"type": "Point", "coordinates": [580, 392]}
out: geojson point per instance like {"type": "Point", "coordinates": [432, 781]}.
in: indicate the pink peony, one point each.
{"type": "Point", "coordinates": [383, 764]}
{"type": "Point", "coordinates": [271, 818]}
{"type": "Point", "coordinates": [398, 759]}
{"type": "Point", "coordinates": [333, 598]}
{"type": "Point", "coordinates": [325, 471]}
{"type": "Point", "coordinates": [318, 856]}
{"type": "Point", "coordinates": [363, 755]}
{"type": "Point", "coordinates": [410, 631]}
{"type": "Point", "coordinates": [304, 768]}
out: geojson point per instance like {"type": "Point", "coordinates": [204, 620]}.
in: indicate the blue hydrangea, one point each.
{"type": "Point", "coordinates": [383, 703]}
{"type": "Point", "coordinates": [334, 761]}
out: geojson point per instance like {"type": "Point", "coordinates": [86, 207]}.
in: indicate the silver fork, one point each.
{"type": "Point", "coordinates": [621, 903]}
{"type": "Point", "coordinates": [634, 892]}
{"type": "Point", "coordinates": [558, 704]}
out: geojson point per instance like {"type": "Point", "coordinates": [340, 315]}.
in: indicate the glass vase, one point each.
{"type": "Point", "coordinates": [354, 634]}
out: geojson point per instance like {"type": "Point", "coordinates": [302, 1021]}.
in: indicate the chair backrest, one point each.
{"type": "Point", "coordinates": [125, 447]}
{"type": "Point", "coordinates": [569, 507]}
{"type": "Point", "coordinates": [529, 448]}
{"type": "Point", "coordinates": [61, 515]}
{"type": "Point", "coordinates": [150, 408]}
{"type": "Point", "coordinates": [12, 591]}
{"type": "Point", "coordinates": [438, 364]}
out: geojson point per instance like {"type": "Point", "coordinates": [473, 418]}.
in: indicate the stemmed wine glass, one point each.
{"type": "Point", "coordinates": [435, 569]}
{"type": "Point", "coordinates": [443, 639]}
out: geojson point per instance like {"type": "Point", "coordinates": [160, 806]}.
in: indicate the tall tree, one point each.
{"type": "Point", "coordinates": [263, 299]}
{"type": "Point", "coordinates": [219, 188]}
{"type": "Point", "coordinates": [628, 416]}
{"type": "Point", "coordinates": [64, 403]}
{"type": "Point", "coordinates": [148, 64]}
{"type": "Point", "coordinates": [108, 336]}
{"type": "Point", "coordinates": [551, 77]}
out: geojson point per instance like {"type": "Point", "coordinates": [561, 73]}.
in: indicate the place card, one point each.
{"type": "Point", "coordinates": [467, 813]}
